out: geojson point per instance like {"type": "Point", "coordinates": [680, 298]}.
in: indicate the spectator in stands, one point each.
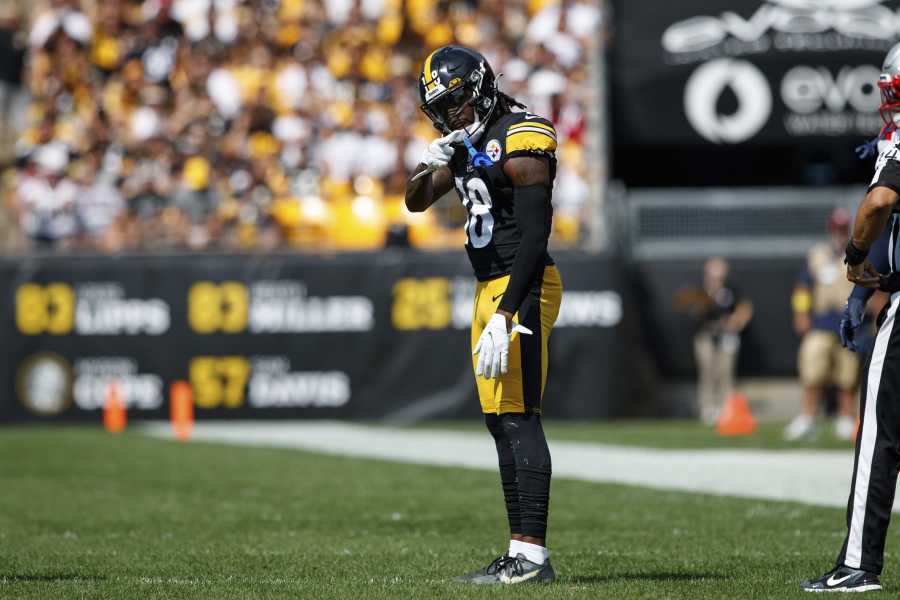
{"type": "Point", "coordinates": [99, 206]}
{"type": "Point", "coordinates": [720, 314]}
{"type": "Point", "coordinates": [168, 95]}
{"type": "Point", "coordinates": [45, 198]}
{"type": "Point", "coordinates": [818, 301]}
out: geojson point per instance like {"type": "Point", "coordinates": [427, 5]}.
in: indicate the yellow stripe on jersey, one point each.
{"type": "Point", "coordinates": [426, 74]}
{"type": "Point", "coordinates": [533, 129]}
{"type": "Point", "coordinates": [530, 140]}
{"type": "Point", "coordinates": [532, 124]}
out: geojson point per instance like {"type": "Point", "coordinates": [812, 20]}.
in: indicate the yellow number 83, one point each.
{"type": "Point", "coordinates": [45, 309]}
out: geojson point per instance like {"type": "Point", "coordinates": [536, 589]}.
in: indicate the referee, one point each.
{"type": "Point", "coordinates": [871, 258]}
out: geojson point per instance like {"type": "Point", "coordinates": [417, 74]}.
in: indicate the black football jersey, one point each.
{"type": "Point", "coordinates": [887, 174]}
{"type": "Point", "coordinates": [492, 237]}
{"type": "Point", "coordinates": [887, 169]}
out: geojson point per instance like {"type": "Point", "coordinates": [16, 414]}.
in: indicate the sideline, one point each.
{"type": "Point", "coordinates": [817, 477]}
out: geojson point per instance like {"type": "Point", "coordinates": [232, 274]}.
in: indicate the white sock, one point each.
{"type": "Point", "coordinates": [533, 552]}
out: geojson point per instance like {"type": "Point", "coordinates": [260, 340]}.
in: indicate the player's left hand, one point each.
{"type": "Point", "coordinates": [864, 274]}
{"type": "Point", "coordinates": [493, 347]}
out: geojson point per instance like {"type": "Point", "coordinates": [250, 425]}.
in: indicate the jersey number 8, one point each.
{"type": "Point", "coordinates": [477, 200]}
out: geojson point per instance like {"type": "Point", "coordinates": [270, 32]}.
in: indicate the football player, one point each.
{"type": "Point", "coordinates": [871, 257]}
{"type": "Point", "coordinates": [502, 163]}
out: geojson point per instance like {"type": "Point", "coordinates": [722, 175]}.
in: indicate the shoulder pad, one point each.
{"type": "Point", "coordinates": [529, 134]}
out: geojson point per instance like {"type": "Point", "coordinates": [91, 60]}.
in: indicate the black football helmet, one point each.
{"type": "Point", "coordinates": [453, 75]}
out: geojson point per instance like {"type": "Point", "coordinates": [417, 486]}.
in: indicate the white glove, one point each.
{"type": "Point", "coordinates": [493, 347]}
{"type": "Point", "coordinates": [440, 151]}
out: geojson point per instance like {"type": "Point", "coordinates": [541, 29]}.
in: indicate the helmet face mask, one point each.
{"type": "Point", "coordinates": [443, 109]}
{"type": "Point", "coordinates": [453, 78]}
{"type": "Point", "coordinates": [890, 98]}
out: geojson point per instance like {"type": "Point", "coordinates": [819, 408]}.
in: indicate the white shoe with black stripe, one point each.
{"type": "Point", "coordinates": [843, 579]}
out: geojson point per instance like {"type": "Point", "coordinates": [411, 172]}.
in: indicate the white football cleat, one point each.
{"type": "Point", "coordinates": [802, 426]}
{"type": "Point", "coordinates": [844, 427]}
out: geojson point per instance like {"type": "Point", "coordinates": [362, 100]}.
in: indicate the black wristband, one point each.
{"type": "Point", "coordinates": [853, 255]}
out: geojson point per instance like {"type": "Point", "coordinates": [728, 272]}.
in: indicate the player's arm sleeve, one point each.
{"type": "Point", "coordinates": [531, 135]}
{"type": "Point", "coordinates": [878, 256]}
{"type": "Point", "coordinates": [533, 216]}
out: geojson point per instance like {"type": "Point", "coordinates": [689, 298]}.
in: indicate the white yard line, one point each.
{"type": "Point", "coordinates": [819, 477]}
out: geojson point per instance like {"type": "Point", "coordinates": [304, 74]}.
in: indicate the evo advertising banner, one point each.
{"type": "Point", "coordinates": [751, 72]}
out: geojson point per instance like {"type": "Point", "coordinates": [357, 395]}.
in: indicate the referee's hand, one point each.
{"type": "Point", "coordinates": [864, 274]}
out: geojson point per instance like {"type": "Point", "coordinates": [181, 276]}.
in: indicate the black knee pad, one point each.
{"type": "Point", "coordinates": [494, 425]}
{"type": "Point", "coordinates": [526, 435]}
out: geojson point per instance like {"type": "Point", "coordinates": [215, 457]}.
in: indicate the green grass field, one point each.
{"type": "Point", "coordinates": [84, 514]}
{"type": "Point", "coordinates": [670, 434]}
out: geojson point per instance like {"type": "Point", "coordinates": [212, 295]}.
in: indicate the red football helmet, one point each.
{"type": "Point", "coordinates": [889, 84]}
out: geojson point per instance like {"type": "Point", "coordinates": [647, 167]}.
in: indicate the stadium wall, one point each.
{"type": "Point", "coordinates": [362, 336]}
{"type": "Point", "coordinates": [768, 345]}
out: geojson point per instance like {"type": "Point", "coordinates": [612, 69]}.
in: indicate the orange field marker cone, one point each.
{"type": "Point", "coordinates": [736, 418]}
{"type": "Point", "coordinates": [181, 410]}
{"type": "Point", "coordinates": [114, 417]}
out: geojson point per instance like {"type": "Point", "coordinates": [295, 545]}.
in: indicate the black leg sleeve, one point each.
{"type": "Point", "coordinates": [507, 472]}
{"type": "Point", "coordinates": [533, 470]}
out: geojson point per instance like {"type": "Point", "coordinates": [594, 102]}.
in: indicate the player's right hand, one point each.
{"type": "Point", "coordinates": [851, 320]}
{"type": "Point", "coordinates": [493, 347]}
{"type": "Point", "coordinates": [440, 151]}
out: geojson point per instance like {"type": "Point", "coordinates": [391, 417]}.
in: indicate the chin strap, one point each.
{"type": "Point", "coordinates": [474, 131]}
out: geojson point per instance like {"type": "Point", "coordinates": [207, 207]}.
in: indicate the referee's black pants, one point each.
{"type": "Point", "coordinates": [877, 450]}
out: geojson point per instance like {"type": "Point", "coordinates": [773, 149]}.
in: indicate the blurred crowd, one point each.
{"type": "Point", "coordinates": [260, 124]}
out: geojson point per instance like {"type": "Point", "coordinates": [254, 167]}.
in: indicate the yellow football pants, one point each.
{"type": "Point", "coordinates": [522, 388]}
